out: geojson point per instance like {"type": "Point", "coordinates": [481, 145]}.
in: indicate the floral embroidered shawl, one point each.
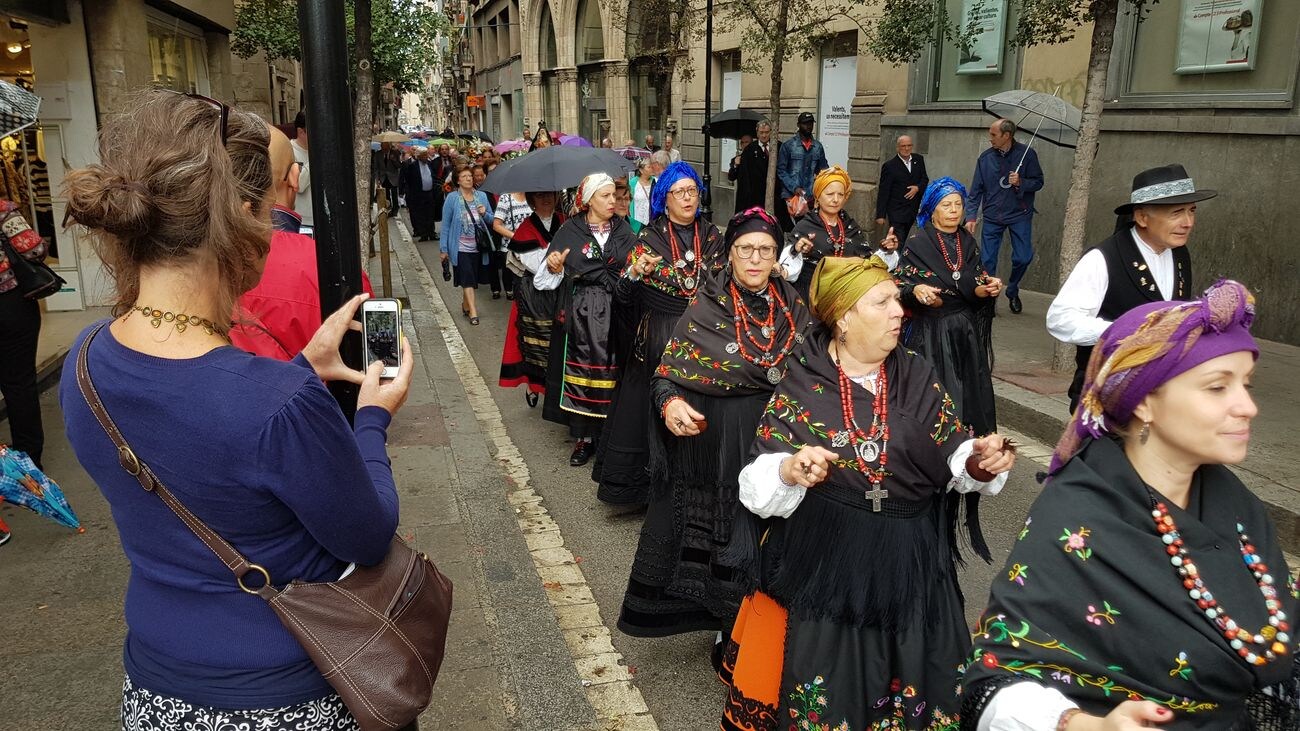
{"type": "Point", "coordinates": [697, 357]}
{"type": "Point", "coordinates": [1089, 603]}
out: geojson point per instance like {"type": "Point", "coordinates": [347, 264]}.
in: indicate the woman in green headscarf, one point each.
{"type": "Point", "coordinates": [858, 623]}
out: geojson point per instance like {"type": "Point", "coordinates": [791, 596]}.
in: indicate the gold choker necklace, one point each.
{"type": "Point", "coordinates": [181, 321]}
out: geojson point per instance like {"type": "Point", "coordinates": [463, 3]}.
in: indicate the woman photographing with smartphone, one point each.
{"type": "Point", "coordinates": [258, 449]}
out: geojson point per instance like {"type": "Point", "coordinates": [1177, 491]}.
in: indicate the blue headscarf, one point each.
{"type": "Point", "coordinates": [667, 179]}
{"type": "Point", "coordinates": [936, 191]}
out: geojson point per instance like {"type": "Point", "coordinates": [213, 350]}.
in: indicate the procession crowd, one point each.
{"type": "Point", "coordinates": [806, 414]}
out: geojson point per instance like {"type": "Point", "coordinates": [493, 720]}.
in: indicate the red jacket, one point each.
{"type": "Point", "coordinates": [278, 317]}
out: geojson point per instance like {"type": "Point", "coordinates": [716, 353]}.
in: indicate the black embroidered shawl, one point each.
{"type": "Point", "coordinates": [835, 557]}
{"type": "Point", "coordinates": [669, 278]}
{"type": "Point", "coordinates": [699, 354]}
{"type": "Point", "coordinates": [1089, 603]}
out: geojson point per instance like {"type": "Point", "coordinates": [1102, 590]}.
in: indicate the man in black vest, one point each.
{"type": "Point", "coordinates": [1145, 260]}
{"type": "Point", "coordinates": [902, 183]}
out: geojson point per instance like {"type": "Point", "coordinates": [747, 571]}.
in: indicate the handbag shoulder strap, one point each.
{"type": "Point", "coordinates": [232, 558]}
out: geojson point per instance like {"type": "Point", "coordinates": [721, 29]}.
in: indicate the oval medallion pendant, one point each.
{"type": "Point", "coordinates": [732, 348]}
{"type": "Point", "coordinates": [956, 276]}
{"type": "Point", "coordinates": [689, 282]}
{"type": "Point", "coordinates": [679, 264]}
{"type": "Point", "coordinates": [869, 451]}
{"type": "Point", "coordinates": [774, 375]}
{"type": "Point", "coordinates": [690, 255]}
{"type": "Point", "coordinates": [767, 331]}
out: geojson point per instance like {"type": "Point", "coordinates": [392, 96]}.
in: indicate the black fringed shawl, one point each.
{"type": "Point", "coordinates": [1089, 604]}
{"type": "Point", "coordinates": [835, 558]}
{"type": "Point", "coordinates": [669, 278]}
{"type": "Point", "coordinates": [699, 354]}
{"type": "Point", "coordinates": [922, 262]}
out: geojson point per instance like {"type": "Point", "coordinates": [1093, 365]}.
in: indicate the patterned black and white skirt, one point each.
{"type": "Point", "coordinates": [144, 710]}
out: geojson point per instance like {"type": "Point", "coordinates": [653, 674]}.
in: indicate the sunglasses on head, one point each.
{"type": "Point", "coordinates": [219, 106]}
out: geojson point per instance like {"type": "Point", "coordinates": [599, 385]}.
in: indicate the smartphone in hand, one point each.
{"type": "Point", "coordinates": [381, 328]}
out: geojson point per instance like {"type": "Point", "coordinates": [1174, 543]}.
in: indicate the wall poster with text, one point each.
{"type": "Point", "coordinates": [1218, 35]}
{"type": "Point", "coordinates": [835, 108]}
{"type": "Point", "coordinates": [986, 20]}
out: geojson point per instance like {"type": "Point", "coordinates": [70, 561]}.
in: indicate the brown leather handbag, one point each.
{"type": "Point", "coordinates": [377, 635]}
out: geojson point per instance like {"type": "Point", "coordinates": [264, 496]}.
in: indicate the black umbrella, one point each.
{"type": "Point", "coordinates": [554, 168]}
{"type": "Point", "coordinates": [733, 123]}
{"type": "Point", "coordinates": [474, 134]}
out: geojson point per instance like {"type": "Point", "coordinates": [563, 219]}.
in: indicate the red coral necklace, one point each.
{"type": "Point", "coordinates": [872, 445]}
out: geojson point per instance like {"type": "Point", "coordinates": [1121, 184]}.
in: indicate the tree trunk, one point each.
{"type": "Point", "coordinates": [363, 117]}
{"type": "Point", "coordinates": [774, 101]}
{"type": "Point", "coordinates": [1076, 204]}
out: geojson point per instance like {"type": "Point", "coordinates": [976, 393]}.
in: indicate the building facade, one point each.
{"type": "Point", "coordinates": [1217, 94]}
{"type": "Point", "coordinates": [85, 58]}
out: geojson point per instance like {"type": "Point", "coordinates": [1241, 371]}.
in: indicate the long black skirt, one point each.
{"type": "Point", "coordinates": [955, 340]}
{"type": "Point", "coordinates": [528, 336]}
{"type": "Point", "coordinates": [679, 582]}
{"type": "Point", "coordinates": [579, 367]}
{"type": "Point", "coordinates": [622, 460]}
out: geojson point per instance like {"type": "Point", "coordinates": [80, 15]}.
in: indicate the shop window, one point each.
{"type": "Point", "coordinates": [954, 73]}
{"type": "Point", "coordinates": [1229, 53]}
{"type": "Point", "coordinates": [651, 90]}
{"type": "Point", "coordinates": [178, 55]}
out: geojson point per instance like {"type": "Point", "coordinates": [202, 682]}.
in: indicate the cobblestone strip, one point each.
{"type": "Point", "coordinates": [605, 678]}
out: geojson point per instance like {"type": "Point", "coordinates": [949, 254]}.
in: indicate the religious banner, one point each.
{"type": "Point", "coordinates": [986, 22]}
{"type": "Point", "coordinates": [1218, 35]}
{"type": "Point", "coordinates": [835, 110]}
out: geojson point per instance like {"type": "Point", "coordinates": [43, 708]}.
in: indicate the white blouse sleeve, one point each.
{"type": "Point", "coordinates": [889, 257]}
{"type": "Point", "coordinates": [1024, 706]}
{"type": "Point", "coordinates": [763, 492]}
{"type": "Point", "coordinates": [962, 481]}
{"type": "Point", "coordinates": [545, 279]}
{"type": "Point", "coordinates": [792, 262]}
{"type": "Point", "coordinates": [1072, 316]}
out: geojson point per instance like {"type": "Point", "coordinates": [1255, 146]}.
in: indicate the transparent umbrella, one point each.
{"type": "Point", "coordinates": [1049, 116]}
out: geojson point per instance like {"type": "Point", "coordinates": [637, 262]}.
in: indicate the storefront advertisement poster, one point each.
{"type": "Point", "coordinates": [986, 21]}
{"type": "Point", "coordinates": [835, 108]}
{"type": "Point", "coordinates": [1218, 35]}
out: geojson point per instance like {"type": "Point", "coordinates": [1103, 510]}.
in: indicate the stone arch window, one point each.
{"type": "Point", "coordinates": [548, 56]}
{"type": "Point", "coordinates": [591, 39]}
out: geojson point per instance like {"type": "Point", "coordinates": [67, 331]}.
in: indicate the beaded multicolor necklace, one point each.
{"type": "Point", "coordinates": [767, 356]}
{"type": "Point", "coordinates": [943, 249]}
{"type": "Point", "coordinates": [873, 444]}
{"type": "Point", "coordinates": [1260, 648]}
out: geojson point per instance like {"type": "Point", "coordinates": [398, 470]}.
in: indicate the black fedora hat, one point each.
{"type": "Point", "coordinates": [1163, 186]}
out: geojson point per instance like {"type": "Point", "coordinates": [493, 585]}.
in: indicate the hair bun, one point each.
{"type": "Point", "coordinates": [101, 199]}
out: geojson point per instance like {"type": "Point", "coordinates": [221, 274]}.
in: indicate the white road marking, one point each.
{"type": "Point", "coordinates": [605, 677]}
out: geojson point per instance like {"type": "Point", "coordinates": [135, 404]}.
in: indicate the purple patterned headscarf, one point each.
{"type": "Point", "coordinates": [1145, 348]}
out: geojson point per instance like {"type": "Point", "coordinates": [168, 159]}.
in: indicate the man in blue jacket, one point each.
{"type": "Point", "coordinates": [1006, 177]}
{"type": "Point", "coordinates": [797, 162]}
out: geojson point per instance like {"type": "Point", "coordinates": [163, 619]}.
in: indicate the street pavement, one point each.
{"type": "Point", "coordinates": [538, 563]}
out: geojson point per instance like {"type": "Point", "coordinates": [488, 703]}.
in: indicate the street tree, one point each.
{"type": "Point", "coordinates": [905, 28]}
{"type": "Point", "coordinates": [390, 42]}
{"type": "Point", "coordinates": [774, 32]}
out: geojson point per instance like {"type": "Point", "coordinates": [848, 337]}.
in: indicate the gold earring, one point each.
{"type": "Point", "coordinates": [1145, 434]}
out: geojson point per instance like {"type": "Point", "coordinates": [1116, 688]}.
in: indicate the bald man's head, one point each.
{"type": "Point", "coordinates": [283, 170]}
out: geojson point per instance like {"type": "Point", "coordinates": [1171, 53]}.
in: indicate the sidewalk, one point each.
{"type": "Point", "coordinates": [1031, 399]}
{"type": "Point", "coordinates": [508, 665]}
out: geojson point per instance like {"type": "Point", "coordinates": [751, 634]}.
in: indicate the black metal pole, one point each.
{"type": "Point", "coordinates": [706, 195]}
{"type": "Point", "coordinates": [322, 26]}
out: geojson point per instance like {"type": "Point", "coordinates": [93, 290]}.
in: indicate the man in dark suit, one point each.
{"type": "Point", "coordinates": [902, 183]}
{"type": "Point", "coordinates": [422, 186]}
{"type": "Point", "coordinates": [751, 170]}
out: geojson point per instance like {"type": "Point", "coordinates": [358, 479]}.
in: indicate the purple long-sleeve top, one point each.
{"type": "Point", "coordinates": [259, 450]}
